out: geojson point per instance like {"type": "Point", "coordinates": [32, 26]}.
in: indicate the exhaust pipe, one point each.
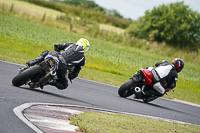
{"type": "Point", "coordinates": [138, 93]}
{"type": "Point", "coordinates": [47, 77]}
{"type": "Point", "coordinates": [53, 73]}
{"type": "Point", "coordinates": [137, 89]}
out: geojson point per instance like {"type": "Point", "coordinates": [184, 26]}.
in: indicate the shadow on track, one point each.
{"type": "Point", "coordinates": [158, 106]}
{"type": "Point", "coordinates": [52, 94]}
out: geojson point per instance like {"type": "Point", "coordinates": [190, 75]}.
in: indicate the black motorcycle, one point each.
{"type": "Point", "coordinates": [139, 89]}
{"type": "Point", "coordinates": [38, 75]}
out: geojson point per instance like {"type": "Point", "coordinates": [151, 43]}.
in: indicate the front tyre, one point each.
{"type": "Point", "coordinates": [126, 89]}
{"type": "Point", "coordinates": [24, 76]}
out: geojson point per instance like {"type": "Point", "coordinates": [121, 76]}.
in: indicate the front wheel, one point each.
{"type": "Point", "coordinates": [24, 76]}
{"type": "Point", "coordinates": [126, 89]}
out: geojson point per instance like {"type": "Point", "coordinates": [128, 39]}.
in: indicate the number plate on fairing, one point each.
{"type": "Point", "coordinates": [51, 63]}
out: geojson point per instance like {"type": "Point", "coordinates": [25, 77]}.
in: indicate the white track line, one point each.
{"type": "Point", "coordinates": [19, 113]}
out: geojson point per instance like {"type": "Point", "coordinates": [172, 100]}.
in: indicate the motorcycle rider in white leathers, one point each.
{"type": "Point", "coordinates": [164, 77]}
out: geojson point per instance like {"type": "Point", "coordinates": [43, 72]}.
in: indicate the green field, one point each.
{"type": "Point", "coordinates": [32, 9]}
{"type": "Point", "coordinates": [111, 28]}
{"type": "Point", "coordinates": [90, 122]}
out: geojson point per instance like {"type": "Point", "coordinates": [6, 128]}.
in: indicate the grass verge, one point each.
{"type": "Point", "coordinates": [90, 122]}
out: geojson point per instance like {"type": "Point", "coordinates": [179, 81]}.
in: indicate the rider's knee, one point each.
{"type": "Point", "coordinates": [62, 86]}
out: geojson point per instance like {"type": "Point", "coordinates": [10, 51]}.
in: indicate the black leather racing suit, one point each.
{"type": "Point", "coordinates": [72, 58]}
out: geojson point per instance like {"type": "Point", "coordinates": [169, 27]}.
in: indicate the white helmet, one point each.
{"type": "Point", "coordinates": [84, 43]}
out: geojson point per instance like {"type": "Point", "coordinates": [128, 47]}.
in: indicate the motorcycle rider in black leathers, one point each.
{"type": "Point", "coordinates": [72, 58]}
{"type": "Point", "coordinates": [164, 77]}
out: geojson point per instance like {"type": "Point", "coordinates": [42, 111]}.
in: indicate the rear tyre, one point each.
{"type": "Point", "coordinates": [126, 89]}
{"type": "Point", "coordinates": [24, 76]}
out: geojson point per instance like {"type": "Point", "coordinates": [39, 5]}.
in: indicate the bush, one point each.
{"type": "Point", "coordinates": [176, 24]}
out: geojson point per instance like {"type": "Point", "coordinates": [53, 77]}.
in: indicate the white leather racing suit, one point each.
{"type": "Point", "coordinates": [164, 77]}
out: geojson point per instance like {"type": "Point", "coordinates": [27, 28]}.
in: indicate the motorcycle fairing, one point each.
{"type": "Point", "coordinates": [147, 76]}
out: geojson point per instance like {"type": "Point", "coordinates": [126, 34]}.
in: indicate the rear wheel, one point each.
{"type": "Point", "coordinates": [24, 76]}
{"type": "Point", "coordinates": [126, 89]}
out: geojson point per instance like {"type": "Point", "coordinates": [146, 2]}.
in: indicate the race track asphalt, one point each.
{"type": "Point", "coordinates": [84, 93]}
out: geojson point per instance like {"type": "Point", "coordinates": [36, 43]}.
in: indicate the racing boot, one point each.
{"type": "Point", "coordinates": [59, 85]}
{"type": "Point", "coordinates": [33, 62]}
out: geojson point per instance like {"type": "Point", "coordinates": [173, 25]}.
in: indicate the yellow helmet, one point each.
{"type": "Point", "coordinates": [84, 43]}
